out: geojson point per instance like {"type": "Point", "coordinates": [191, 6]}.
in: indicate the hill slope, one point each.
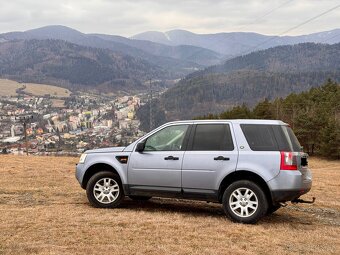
{"type": "Point", "coordinates": [305, 57]}
{"type": "Point", "coordinates": [271, 73]}
{"type": "Point", "coordinates": [61, 63]}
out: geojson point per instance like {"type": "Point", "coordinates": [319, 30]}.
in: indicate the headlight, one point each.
{"type": "Point", "coordinates": [82, 158]}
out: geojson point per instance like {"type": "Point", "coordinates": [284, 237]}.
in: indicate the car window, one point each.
{"type": "Point", "coordinates": [260, 137]}
{"type": "Point", "coordinates": [292, 138]}
{"type": "Point", "coordinates": [212, 137]}
{"type": "Point", "coordinates": [270, 137]}
{"type": "Point", "coordinates": [168, 139]}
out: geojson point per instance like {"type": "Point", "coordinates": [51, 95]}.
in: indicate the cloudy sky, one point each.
{"type": "Point", "coordinates": [129, 17]}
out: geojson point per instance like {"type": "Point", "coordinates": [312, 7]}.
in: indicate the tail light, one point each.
{"type": "Point", "coordinates": [288, 161]}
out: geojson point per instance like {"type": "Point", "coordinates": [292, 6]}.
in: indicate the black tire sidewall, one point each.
{"type": "Point", "coordinates": [90, 185]}
{"type": "Point", "coordinates": [262, 202]}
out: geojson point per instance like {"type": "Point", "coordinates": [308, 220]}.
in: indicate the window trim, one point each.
{"type": "Point", "coordinates": [193, 133]}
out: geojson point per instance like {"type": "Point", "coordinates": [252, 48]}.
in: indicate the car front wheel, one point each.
{"type": "Point", "coordinates": [104, 190]}
{"type": "Point", "coordinates": [245, 202]}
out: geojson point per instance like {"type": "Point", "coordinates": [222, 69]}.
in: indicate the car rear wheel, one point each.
{"type": "Point", "coordinates": [245, 202]}
{"type": "Point", "coordinates": [104, 190]}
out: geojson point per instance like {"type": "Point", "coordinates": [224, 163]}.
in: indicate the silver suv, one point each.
{"type": "Point", "coordinates": [251, 167]}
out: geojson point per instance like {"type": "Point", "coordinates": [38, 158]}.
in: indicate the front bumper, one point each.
{"type": "Point", "coordinates": [80, 171]}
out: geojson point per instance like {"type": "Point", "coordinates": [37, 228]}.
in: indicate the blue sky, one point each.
{"type": "Point", "coordinates": [129, 17]}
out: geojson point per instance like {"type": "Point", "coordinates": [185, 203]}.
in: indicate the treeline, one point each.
{"type": "Point", "coordinates": [314, 116]}
{"type": "Point", "coordinates": [216, 92]}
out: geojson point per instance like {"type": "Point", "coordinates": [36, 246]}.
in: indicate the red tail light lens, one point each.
{"type": "Point", "coordinates": [288, 161]}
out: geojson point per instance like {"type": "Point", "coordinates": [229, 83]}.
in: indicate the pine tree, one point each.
{"type": "Point", "coordinates": [330, 140]}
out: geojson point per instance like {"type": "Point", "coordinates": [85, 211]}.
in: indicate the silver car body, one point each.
{"type": "Point", "coordinates": [197, 174]}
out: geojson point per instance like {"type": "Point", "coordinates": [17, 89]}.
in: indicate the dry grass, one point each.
{"type": "Point", "coordinates": [42, 89]}
{"type": "Point", "coordinates": [44, 211]}
{"type": "Point", "coordinates": [9, 87]}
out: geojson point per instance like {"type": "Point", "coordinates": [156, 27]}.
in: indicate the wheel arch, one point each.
{"type": "Point", "coordinates": [244, 175]}
{"type": "Point", "coordinates": [96, 168]}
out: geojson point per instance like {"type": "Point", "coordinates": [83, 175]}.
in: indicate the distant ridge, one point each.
{"type": "Point", "coordinates": [234, 43]}
{"type": "Point", "coordinates": [177, 60]}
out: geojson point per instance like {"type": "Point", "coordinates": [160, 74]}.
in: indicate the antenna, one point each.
{"type": "Point", "coordinates": [151, 110]}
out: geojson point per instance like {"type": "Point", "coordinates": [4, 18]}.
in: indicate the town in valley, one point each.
{"type": "Point", "coordinates": [66, 124]}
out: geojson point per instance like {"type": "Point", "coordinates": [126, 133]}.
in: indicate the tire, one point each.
{"type": "Point", "coordinates": [104, 190]}
{"type": "Point", "coordinates": [140, 198]}
{"type": "Point", "coordinates": [272, 209]}
{"type": "Point", "coordinates": [244, 202]}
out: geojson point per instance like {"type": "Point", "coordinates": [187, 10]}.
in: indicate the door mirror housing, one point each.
{"type": "Point", "coordinates": [140, 147]}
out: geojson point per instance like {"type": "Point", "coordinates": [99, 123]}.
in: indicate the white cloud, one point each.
{"type": "Point", "coordinates": [128, 17]}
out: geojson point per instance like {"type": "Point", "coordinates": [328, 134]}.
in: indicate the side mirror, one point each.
{"type": "Point", "coordinates": [140, 147]}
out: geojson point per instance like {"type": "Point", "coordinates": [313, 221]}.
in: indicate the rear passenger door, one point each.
{"type": "Point", "coordinates": [211, 155]}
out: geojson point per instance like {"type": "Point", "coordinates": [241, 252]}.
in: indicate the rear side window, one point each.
{"type": "Point", "coordinates": [260, 137]}
{"type": "Point", "coordinates": [270, 137]}
{"type": "Point", "coordinates": [295, 142]}
{"type": "Point", "coordinates": [212, 137]}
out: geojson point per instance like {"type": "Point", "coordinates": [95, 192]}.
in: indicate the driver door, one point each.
{"type": "Point", "coordinates": [157, 169]}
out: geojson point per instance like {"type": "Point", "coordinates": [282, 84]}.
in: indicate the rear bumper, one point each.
{"type": "Point", "coordinates": [288, 185]}
{"type": "Point", "coordinates": [287, 195]}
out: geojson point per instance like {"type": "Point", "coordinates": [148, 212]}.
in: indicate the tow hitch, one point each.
{"type": "Point", "coordinates": [298, 200]}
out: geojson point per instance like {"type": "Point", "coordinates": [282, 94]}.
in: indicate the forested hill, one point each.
{"type": "Point", "coordinates": [271, 73]}
{"type": "Point", "coordinates": [304, 57]}
{"type": "Point", "coordinates": [314, 116]}
{"type": "Point", "coordinates": [177, 60]}
{"type": "Point", "coordinates": [65, 64]}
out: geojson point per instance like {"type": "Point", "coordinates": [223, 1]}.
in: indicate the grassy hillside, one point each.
{"type": "Point", "coordinates": [9, 88]}
{"type": "Point", "coordinates": [44, 211]}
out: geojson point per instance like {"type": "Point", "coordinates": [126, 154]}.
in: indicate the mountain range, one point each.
{"type": "Point", "coordinates": [235, 43]}
{"type": "Point", "coordinates": [178, 60]}
{"type": "Point", "coordinates": [178, 52]}
{"type": "Point", "coordinates": [64, 56]}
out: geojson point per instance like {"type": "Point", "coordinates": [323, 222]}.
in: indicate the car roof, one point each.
{"type": "Point", "coordinates": [236, 121]}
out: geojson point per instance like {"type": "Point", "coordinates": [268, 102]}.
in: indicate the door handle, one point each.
{"type": "Point", "coordinates": [221, 158]}
{"type": "Point", "coordinates": [171, 158]}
